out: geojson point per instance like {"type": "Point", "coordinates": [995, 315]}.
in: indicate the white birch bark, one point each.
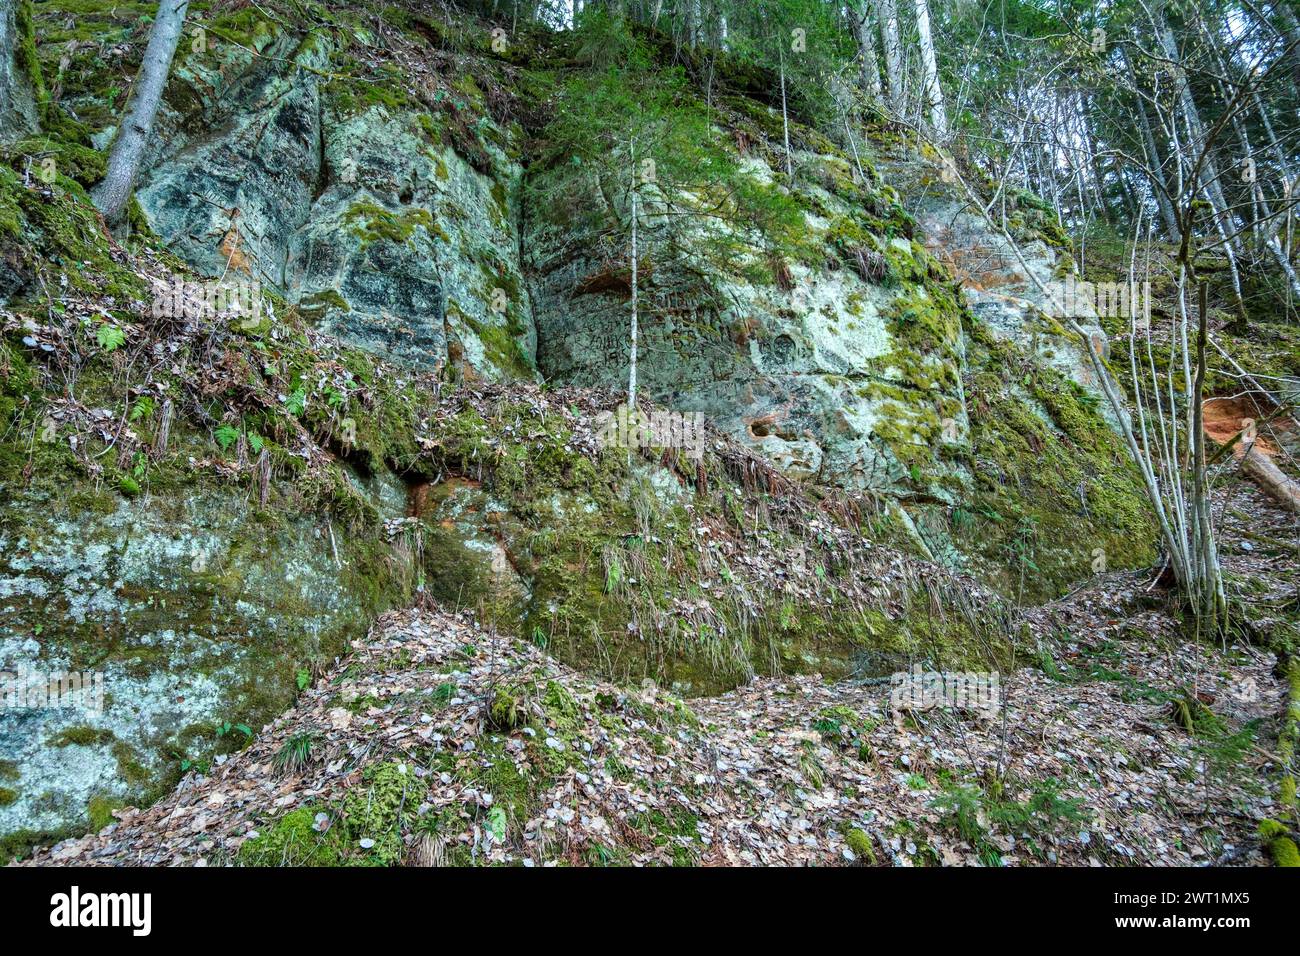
{"type": "Point", "coordinates": [930, 90]}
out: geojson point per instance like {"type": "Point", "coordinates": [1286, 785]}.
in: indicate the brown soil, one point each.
{"type": "Point", "coordinates": [1224, 417]}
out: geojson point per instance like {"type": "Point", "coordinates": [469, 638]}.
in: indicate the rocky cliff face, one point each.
{"type": "Point", "coordinates": [221, 506]}
{"type": "Point", "coordinates": [390, 208]}
{"type": "Point", "coordinates": [347, 196]}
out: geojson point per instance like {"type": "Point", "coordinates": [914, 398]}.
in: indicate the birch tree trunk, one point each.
{"type": "Point", "coordinates": [934, 107]}
{"type": "Point", "coordinates": [1290, 28]}
{"type": "Point", "coordinates": [785, 116]}
{"type": "Point", "coordinates": [112, 195]}
{"type": "Point", "coordinates": [631, 374]}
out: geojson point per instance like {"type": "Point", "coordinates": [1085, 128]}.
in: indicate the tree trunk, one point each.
{"type": "Point", "coordinates": [1289, 27]}
{"type": "Point", "coordinates": [631, 375]}
{"type": "Point", "coordinates": [1155, 171]}
{"type": "Point", "coordinates": [1271, 478]}
{"type": "Point", "coordinates": [1209, 175]}
{"type": "Point", "coordinates": [868, 65]}
{"type": "Point", "coordinates": [1094, 162]}
{"type": "Point", "coordinates": [930, 74]}
{"type": "Point", "coordinates": [893, 54]}
{"type": "Point", "coordinates": [113, 194]}
{"type": "Point", "coordinates": [1209, 574]}
{"type": "Point", "coordinates": [785, 116]}
{"type": "Point", "coordinates": [17, 95]}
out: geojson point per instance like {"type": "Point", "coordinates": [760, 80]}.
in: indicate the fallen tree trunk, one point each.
{"type": "Point", "coordinates": [1271, 478]}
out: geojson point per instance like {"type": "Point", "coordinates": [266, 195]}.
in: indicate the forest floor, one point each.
{"type": "Point", "coordinates": [1121, 742]}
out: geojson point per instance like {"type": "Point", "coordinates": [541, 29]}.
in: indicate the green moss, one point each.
{"type": "Point", "coordinates": [25, 54]}
{"type": "Point", "coordinates": [1053, 482]}
{"type": "Point", "coordinates": [372, 223]}
{"type": "Point", "coordinates": [1285, 852]}
{"type": "Point", "coordinates": [99, 811]}
{"type": "Point", "coordinates": [319, 302]}
{"type": "Point", "coordinates": [1034, 218]}
{"type": "Point", "coordinates": [841, 726]}
{"type": "Point", "coordinates": [18, 844]}
{"type": "Point", "coordinates": [374, 811]}
{"type": "Point", "coordinates": [55, 233]}
{"type": "Point", "coordinates": [246, 26]}
{"type": "Point", "coordinates": [677, 828]}
{"type": "Point", "coordinates": [294, 841]}
{"type": "Point", "coordinates": [81, 737]}
{"type": "Point", "coordinates": [509, 709]}
{"type": "Point", "coordinates": [1274, 835]}
{"type": "Point", "coordinates": [8, 796]}
{"type": "Point", "coordinates": [501, 345]}
{"type": "Point", "coordinates": [512, 789]}
{"type": "Point", "coordinates": [82, 164]}
{"type": "Point", "coordinates": [860, 843]}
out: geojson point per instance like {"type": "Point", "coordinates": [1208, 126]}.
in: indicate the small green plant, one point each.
{"type": "Point", "coordinates": [842, 727]}
{"type": "Point", "coordinates": [109, 336]}
{"type": "Point", "coordinates": [1045, 809]}
{"type": "Point", "coordinates": [509, 709]}
{"type": "Point", "coordinates": [963, 806]}
{"type": "Point", "coordinates": [1047, 664]}
{"type": "Point", "coordinates": [226, 436]}
{"type": "Point", "coordinates": [143, 408]}
{"type": "Point", "coordinates": [198, 766]}
{"type": "Point", "coordinates": [295, 754]}
{"type": "Point", "coordinates": [1195, 717]}
{"type": "Point", "coordinates": [227, 729]}
{"type": "Point", "coordinates": [811, 767]}
{"type": "Point", "coordinates": [1226, 753]}
{"type": "Point", "coordinates": [496, 824]}
{"type": "Point", "coordinates": [613, 576]}
{"type": "Point", "coordinates": [974, 813]}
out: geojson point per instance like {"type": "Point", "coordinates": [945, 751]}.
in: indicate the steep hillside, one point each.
{"type": "Point", "coordinates": [440, 743]}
